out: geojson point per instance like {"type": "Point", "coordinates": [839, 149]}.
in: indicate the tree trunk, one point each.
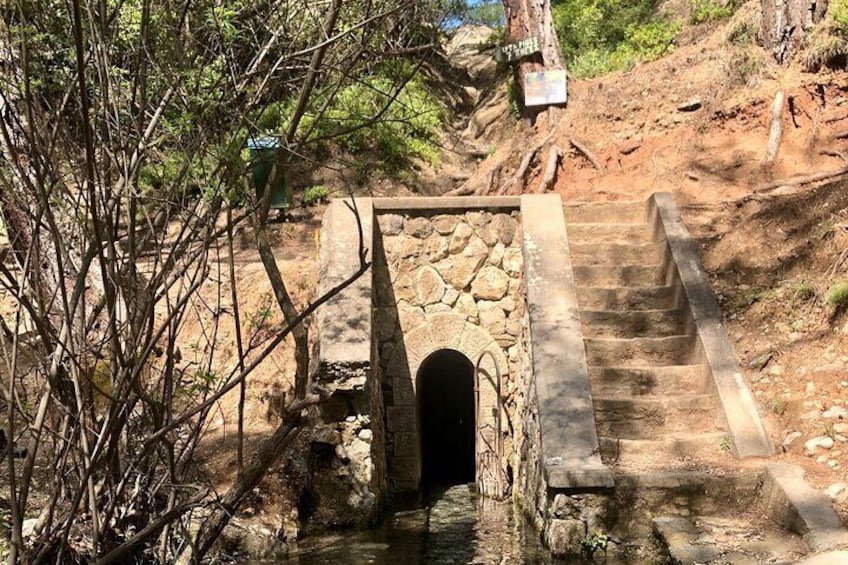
{"type": "Point", "coordinates": [786, 22]}
{"type": "Point", "coordinates": [528, 18]}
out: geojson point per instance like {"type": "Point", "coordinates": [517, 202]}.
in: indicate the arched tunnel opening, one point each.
{"type": "Point", "coordinates": [446, 419]}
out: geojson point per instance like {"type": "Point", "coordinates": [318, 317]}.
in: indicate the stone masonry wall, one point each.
{"type": "Point", "coordinates": [434, 276]}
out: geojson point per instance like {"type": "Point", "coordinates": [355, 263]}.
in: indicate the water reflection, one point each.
{"type": "Point", "coordinates": [457, 527]}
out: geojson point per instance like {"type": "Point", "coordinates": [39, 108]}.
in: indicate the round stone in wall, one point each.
{"type": "Point", "coordinates": [478, 219]}
{"type": "Point", "coordinates": [445, 225]}
{"type": "Point", "coordinates": [461, 236]}
{"type": "Point", "coordinates": [390, 224]}
{"type": "Point", "coordinates": [429, 286]}
{"type": "Point", "coordinates": [436, 248]}
{"type": "Point", "coordinates": [490, 284]}
{"type": "Point", "coordinates": [418, 227]}
{"type": "Point", "coordinates": [505, 226]}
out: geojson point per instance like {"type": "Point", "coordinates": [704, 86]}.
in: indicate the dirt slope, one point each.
{"type": "Point", "coordinates": [696, 123]}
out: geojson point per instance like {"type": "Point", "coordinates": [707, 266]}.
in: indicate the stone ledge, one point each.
{"type": "Point", "coordinates": [747, 433]}
{"type": "Point", "coordinates": [795, 505]}
{"type": "Point", "coordinates": [446, 204]}
{"type": "Point", "coordinates": [566, 416]}
{"type": "Point", "coordinates": [344, 321]}
{"type": "Point", "coordinates": [579, 475]}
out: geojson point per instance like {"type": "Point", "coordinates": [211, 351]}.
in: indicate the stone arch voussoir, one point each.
{"type": "Point", "coordinates": [452, 331]}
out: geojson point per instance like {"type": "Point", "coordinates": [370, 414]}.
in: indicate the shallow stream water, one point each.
{"type": "Point", "coordinates": [455, 527]}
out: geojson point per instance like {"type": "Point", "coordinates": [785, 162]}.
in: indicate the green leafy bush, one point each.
{"type": "Point", "coordinates": [710, 11]}
{"type": "Point", "coordinates": [838, 11]}
{"type": "Point", "coordinates": [743, 29]}
{"type": "Point", "coordinates": [837, 296]}
{"type": "Point", "coordinates": [315, 194]}
{"type": "Point", "coordinates": [385, 113]}
{"type": "Point", "coordinates": [607, 35]}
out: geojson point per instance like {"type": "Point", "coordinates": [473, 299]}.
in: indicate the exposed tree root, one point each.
{"type": "Point", "coordinates": [554, 158]}
{"type": "Point", "coordinates": [830, 153]}
{"type": "Point", "coordinates": [586, 152]}
{"type": "Point", "coordinates": [526, 161]}
{"type": "Point", "coordinates": [776, 128]}
{"type": "Point", "coordinates": [802, 180]}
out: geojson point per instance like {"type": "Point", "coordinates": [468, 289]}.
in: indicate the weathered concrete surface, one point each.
{"type": "Point", "coordinates": [440, 203]}
{"type": "Point", "coordinates": [570, 451]}
{"type": "Point", "coordinates": [747, 434]}
{"type": "Point", "coordinates": [347, 477]}
{"type": "Point", "coordinates": [344, 322]}
{"type": "Point", "coordinates": [794, 504]}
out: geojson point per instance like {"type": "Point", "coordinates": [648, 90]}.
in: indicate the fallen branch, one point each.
{"type": "Point", "coordinates": [554, 158]}
{"type": "Point", "coordinates": [581, 147]}
{"type": "Point", "coordinates": [841, 135]}
{"type": "Point", "coordinates": [776, 128]}
{"type": "Point", "coordinates": [802, 179]}
{"type": "Point", "coordinates": [830, 153]}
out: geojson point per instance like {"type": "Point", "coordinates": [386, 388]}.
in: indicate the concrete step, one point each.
{"type": "Point", "coordinates": [718, 492]}
{"type": "Point", "coordinates": [606, 213]}
{"type": "Point", "coordinates": [648, 417]}
{"type": "Point", "coordinates": [623, 298]}
{"type": "Point", "coordinates": [638, 352]}
{"type": "Point", "coordinates": [750, 538]}
{"type": "Point", "coordinates": [673, 450]}
{"type": "Point", "coordinates": [609, 233]}
{"type": "Point", "coordinates": [642, 323]}
{"type": "Point", "coordinates": [670, 380]}
{"type": "Point", "coordinates": [619, 275]}
{"type": "Point", "coordinates": [617, 253]}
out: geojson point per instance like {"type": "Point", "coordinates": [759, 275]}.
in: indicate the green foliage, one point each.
{"type": "Point", "coordinates": [514, 94]}
{"type": "Point", "coordinates": [804, 291]}
{"type": "Point", "coordinates": [710, 11]}
{"type": "Point", "coordinates": [838, 12]}
{"type": "Point", "coordinates": [607, 35]}
{"type": "Point", "coordinates": [315, 194]}
{"type": "Point", "coordinates": [837, 296]}
{"type": "Point", "coordinates": [598, 541]}
{"type": "Point", "coordinates": [743, 29]}
{"type": "Point", "coordinates": [725, 444]}
{"type": "Point", "coordinates": [198, 384]}
{"type": "Point", "coordinates": [261, 317]}
{"type": "Point", "coordinates": [378, 113]}
{"type": "Point", "coordinates": [744, 67]}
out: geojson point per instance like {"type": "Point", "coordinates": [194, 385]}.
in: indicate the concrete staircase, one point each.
{"type": "Point", "coordinates": [674, 419]}
{"type": "Point", "coordinates": [653, 406]}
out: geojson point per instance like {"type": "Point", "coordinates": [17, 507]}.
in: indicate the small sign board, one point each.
{"type": "Point", "coordinates": [515, 51]}
{"type": "Point", "coordinates": [545, 88]}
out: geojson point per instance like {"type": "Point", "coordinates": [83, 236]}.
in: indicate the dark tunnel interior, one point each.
{"type": "Point", "coordinates": [446, 419]}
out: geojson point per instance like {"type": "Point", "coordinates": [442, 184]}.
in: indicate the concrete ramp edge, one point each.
{"type": "Point", "coordinates": [570, 450]}
{"type": "Point", "coordinates": [747, 434]}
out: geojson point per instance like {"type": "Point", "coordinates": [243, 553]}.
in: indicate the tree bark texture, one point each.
{"type": "Point", "coordinates": [528, 18]}
{"type": "Point", "coordinates": [786, 22]}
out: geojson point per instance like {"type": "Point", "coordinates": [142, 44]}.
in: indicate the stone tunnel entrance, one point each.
{"type": "Point", "coordinates": [446, 419]}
